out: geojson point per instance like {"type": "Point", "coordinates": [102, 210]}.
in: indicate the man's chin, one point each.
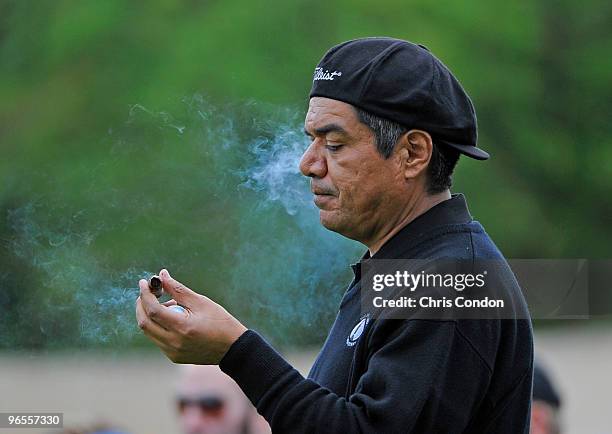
{"type": "Point", "coordinates": [330, 220]}
{"type": "Point", "coordinates": [326, 219]}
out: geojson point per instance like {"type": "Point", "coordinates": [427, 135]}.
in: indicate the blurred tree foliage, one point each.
{"type": "Point", "coordinates": [538, 72]}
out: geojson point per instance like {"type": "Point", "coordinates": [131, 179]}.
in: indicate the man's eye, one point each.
{"type": "Point", "coordinates": [333, 148]}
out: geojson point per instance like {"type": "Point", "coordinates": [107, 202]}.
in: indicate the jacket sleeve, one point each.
{"type": "Point", "coordinates": [421, 376]}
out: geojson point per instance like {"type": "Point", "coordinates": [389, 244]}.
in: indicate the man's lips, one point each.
{"type": "Point", "coordinates": [322, 195]}
{"type": "Point", "coordinates": [321, 200]}
{"type": "Point", "coordinates": [322, 191]}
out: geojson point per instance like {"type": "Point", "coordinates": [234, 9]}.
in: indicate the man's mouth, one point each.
{"type": "Point", "coordinates": [322, 190]}
{"type": "Point", "coordinates": [323, 195]}
{"type": "Point", "coordinates": [322, 199]}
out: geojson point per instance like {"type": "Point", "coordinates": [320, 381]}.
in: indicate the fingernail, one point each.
{"type": "Point", "coordinates": [164, 273]}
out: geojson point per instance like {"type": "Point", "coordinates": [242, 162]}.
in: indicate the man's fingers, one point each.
{"type": "Point", "coordinates": [155, 311]}
{"type": "Point", "coordinates": [177, 290]}
{"type": "Point", "coordinates": [165, 347]}
{"type": "Point", "coordinates": [170, 302]}
{"type": "Point", "coordinates": [148, 326]}
{"type": "Point", "coordinates": [165, 340]}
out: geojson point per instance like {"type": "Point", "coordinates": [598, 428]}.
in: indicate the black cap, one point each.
{"type": "Point", "coordinates": [402, 82]}
{"type": "Point", "coordinates": [543, 388]}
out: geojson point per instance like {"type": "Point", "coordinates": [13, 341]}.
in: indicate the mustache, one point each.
{"type": "Point", "coordinates": [322, 189]}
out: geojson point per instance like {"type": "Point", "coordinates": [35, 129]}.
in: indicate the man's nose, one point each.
{"type": "Point", "coordinates": [194, 421]}
{"type": "Point", "coordinates": [313, 162]}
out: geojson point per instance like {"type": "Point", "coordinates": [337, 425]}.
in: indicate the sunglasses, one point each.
{"type": "Point", "coordinates": [209, 405]}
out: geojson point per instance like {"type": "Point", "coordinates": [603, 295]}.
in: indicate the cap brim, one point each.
{"type": "Point", "coordinates": [470, 151]}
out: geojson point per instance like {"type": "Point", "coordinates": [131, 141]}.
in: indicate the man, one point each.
{"type": "Point", "coordinates": [210, 402]}
{"type": "Point", "coordinates": [98, 428]}
{"type": "Point", "coordinates": [388, 122]}
{"type": "Point", "coordinates": [546, 404]}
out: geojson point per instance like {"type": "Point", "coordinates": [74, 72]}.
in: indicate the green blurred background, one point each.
{"type": "Point", "coordinates": [136, 136]}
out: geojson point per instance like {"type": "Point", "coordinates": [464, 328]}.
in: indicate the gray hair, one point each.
{"type": "Point", "coordinates": [387, 133]}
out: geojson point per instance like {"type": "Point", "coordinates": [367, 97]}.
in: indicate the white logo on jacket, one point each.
{"type": "Point", "coordinates": [357, 331]}
{"type": "Point", "coordinates": [319, 74]}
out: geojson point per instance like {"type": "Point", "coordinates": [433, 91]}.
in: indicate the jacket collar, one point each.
{"type": "Point", "coordinates": [449, 212]}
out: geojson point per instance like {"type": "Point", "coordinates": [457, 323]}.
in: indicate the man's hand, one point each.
{"type": "Point", "coordinates": [202, 335]}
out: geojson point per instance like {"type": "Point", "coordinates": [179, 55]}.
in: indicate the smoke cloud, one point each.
{"type": "Point", "coordinates": [212, 193]}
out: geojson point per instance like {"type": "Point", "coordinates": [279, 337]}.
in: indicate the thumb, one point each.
{"type": "Point", "coordinates": [176, 289]}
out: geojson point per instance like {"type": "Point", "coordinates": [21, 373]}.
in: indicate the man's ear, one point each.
{"type": "Point", "coordinates": [414, 150]}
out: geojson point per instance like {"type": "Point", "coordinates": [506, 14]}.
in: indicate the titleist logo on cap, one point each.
{"type": "Point", "coordinates": [319, 74]}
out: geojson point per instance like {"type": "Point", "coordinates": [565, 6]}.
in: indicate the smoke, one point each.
{"type": "Point", "coordinates": [72, 293]}
{"type": "Point", "coordinates": [296, 270]}
{"type": "Point", "coordinates": [212, 193]}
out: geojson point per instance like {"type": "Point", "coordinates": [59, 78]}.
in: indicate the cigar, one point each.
{"type": "Point", "coordinates": [155, 285]}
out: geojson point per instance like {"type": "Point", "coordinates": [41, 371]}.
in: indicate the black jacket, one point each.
{"type": "Point", "coordinates": [401, 376]}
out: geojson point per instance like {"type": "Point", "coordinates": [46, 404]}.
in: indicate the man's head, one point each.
{"type": "Point", "coordinates": [363, 166]}
{"type": "Point", "coordinates": [210, 402]}
{"type": "Point", "coordinates": [388, 133]}
{"type": "Point", "coordinates": [545, 405]}
{"type": "Point", "coordinates": [387, 122]}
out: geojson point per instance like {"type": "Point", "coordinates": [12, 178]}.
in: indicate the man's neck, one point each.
{"type": "Point", "coordinates": [419, 205]}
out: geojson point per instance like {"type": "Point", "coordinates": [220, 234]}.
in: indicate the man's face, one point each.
{"type": "Point", "coordinates": [544, 418]}
{"type": "Point", "coordinates": [209, 402]}
{"type": "Point", "coordinates": [355, 188]}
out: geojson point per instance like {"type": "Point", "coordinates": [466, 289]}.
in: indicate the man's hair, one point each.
{"type": "Point", "coordinates": [387, 133]}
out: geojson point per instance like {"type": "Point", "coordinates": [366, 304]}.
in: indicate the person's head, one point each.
{"type": "Point", "coordinates": [387, 126]}
{"type": "Point", "coordinates": [363, 166]}
{"type": "Point", "coordinates": [210, 402]}
{"type": "Point", "coordinates": [545, 405]}
{"type": "Point", "coordinates": [97, 428]}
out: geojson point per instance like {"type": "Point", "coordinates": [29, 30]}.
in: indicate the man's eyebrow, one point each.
{"type": "Point", "coordinates": [329, 128]}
